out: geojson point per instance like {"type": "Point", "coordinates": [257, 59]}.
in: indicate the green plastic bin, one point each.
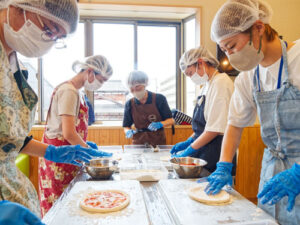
{"type": "Point", "coordinates": [23, 163]}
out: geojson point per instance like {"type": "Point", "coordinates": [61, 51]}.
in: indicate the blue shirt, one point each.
{"type": "Point", "coordinates": [91, 111]}
{"type": "Point", "coordinates": [161, 104]}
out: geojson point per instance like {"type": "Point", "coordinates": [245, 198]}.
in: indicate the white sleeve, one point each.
{"type": "Point", "coordinates": [218, 105]}
{"type": "Point", "coordinates": [242, 109]}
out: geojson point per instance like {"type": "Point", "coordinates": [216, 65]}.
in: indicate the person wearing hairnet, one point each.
{"type": "Point", "coordinates": [211, 109]}
{"type": "Point", "coordinates": [269, 86]}
{"type": "Point", "coordinates": [148, 111]}
{"type": "Point", "coordinates": [30, 27]}
{"type": "Point", "coordinates": [67, 123]}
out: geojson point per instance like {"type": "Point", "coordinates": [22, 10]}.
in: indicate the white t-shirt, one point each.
{"type": "Point", "coordinates": [217, 93]}
{"type": "Point", "coordinates": [66, 101]}
{"type": "Point", "coordinates": [242, 111]}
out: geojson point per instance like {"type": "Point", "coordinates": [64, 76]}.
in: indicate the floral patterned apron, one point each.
{"type": "Point", "coordinates": [55, 177]}
{"type": "Point", "coordinates": [17, 110]}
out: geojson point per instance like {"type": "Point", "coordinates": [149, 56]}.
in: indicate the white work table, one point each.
{"type": "Point", "coordinates": [159, 203]}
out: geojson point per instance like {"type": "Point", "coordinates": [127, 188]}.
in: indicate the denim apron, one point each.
{"type": "Point", "coordinates": [279, 115]}
{"type": "Point", "coordinates": [211, 151]}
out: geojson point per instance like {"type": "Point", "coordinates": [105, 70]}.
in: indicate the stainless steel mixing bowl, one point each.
{"type": "Point", "coordinates": [188, 167]}
{"type": "Point", "coordinates": [101, 168]}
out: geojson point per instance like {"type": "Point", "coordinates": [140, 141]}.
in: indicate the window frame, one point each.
{"type": "Point", "coordinates": [184, 48]}
{"type": "Point", "coordinates": [89, 46]}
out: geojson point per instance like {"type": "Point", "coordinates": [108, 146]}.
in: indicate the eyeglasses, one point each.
{"type": "Point", "coordinates": [49, 36]}
{"type": "Point", "coordinates": [188, 73]}
{"type": "Point", "coordinates": [103, 78]}
{"type": "Point", "coordinates": [96, 73]}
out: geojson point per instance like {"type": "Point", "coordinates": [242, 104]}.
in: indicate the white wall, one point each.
{"type": "Point", "coordinates": [285, 20]}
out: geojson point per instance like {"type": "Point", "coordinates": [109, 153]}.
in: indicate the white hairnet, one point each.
{"type": "Point", "coordinates": [3, 4]}
{"type": "Point", "coordinates": [62, 12]}
{"type": "Point", "coordinates": [97, 62]}
{"type": "Point", "coordinates": [236, 16]}
{"type": "Point", "coordinates": [137, 77]}
{"type": "Point", "coordinates": [191, 56]}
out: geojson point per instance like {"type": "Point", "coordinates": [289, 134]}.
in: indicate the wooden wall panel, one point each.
{"type": "Point", "coordinates": [249, 163]}
{"type": "Point", "coordinates": [123, 139]}
{"type": "Point", "coordinates": [169, 136]}
{"type": "Point", "coordinates": [181, 134]}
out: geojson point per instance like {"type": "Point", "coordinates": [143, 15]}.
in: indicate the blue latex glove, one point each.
{"type": "Point", "coordinates": [154, 126]}
{"type": "Point", "coordinates": [13, 213]}
{"type": "Point", "coordinates": [286, 183]}
{"type": "Point", "coordinates": [130, 133]}
{"type": "Point", "coordinates": [71, 153]}
{"type": "Point", "coordinates": [186, 152]}
{"type": "Point", "coordinates": [218, 179]}
{"type": "Point", "coordinates": [94, 146]}
{"type": "Point", "coordinates": [181, 145]}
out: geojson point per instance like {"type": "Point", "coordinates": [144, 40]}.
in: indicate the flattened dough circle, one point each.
{"type": "Point", "coordinates": [197, 193]}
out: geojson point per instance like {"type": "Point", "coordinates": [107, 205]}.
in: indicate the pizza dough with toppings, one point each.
{"type": "Point", "coordinates": [197, 193]}
{"type": "Point", "coordinates": [105, 201]}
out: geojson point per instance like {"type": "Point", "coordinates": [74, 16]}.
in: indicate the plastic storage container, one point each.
{"type": "Point", "coordinates": [137, 149]}
{"type": "Point", "coordinates": [144, 172]}
{"type": "Point", "coordinates": [111, 148]}
{"type": "Point", "coordinates": [162, 148]}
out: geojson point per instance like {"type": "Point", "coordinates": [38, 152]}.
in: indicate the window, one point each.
{"type": "Point", "coordinates": [116, 43]}
{"type": "Point", "coordinates": [147, 46]}
{"type": "Point", "coordinates": [157, 57]}
{"type": "Point", "coordinates": [151, 46]}
{"type": "Point", "coordinates": [57, 66]}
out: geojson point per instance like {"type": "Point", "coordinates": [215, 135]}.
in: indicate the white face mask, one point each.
{"type": "Point", "coordinates": [27, 40]}
{"type": "Point", "coordinates": [197, 79]}
{"type": "Point", "coordinates": [247, 58]}
{"type": "Point", "coordinates": [94, 86]}
{"type": "Point", "coordinates": [139, 94]}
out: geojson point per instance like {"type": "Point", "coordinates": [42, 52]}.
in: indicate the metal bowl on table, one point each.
{"type": "Point", "coordinates": [101, 168]}
{"type": "Point", "coordinates": [188, 167]}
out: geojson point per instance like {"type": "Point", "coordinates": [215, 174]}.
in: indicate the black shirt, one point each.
{"type": "Point", "coordinates": [161, 104]}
